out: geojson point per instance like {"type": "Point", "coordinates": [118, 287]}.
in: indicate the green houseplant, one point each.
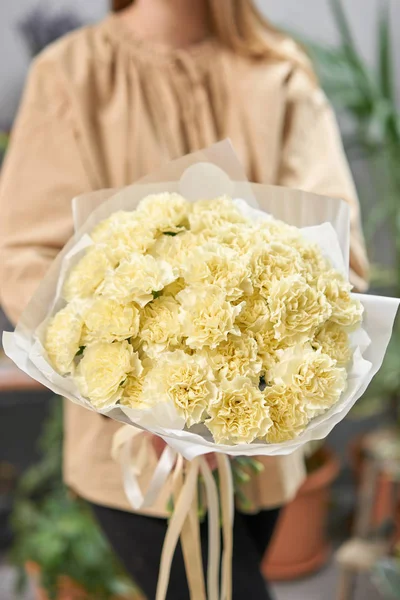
{"type": "Point", "coordinates": [57, 533]}
{"type": "Point", "coordinates": [367, 98]}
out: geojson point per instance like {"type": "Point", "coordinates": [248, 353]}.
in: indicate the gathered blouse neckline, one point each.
{"type": "Point", "coordinates": [157, 51]}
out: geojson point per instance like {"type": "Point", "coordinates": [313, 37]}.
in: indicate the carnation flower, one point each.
{"type": "Point", "coordinates": [273, 230]}
{"type": "Point", "coordinates": [238, 355]}
{"type": "Point", "coordinates": [313, 260]}
{"type": "Point", "coordinates": [167, 212]}
{"type": "Point", "coordinates": [296, 309]}
{"type": "Point", "coordinates": [106, 227]}
{"type": "Point", "coordinates": [136, 236]}
{"type": "Point", "coordinates": [176, 249]}
{"type": "Point", "coordinates": [333, 339]}
{"type": "Point", "coordinates": [268, 346]}
{"type": "Point", "coordinates": [136, 279]}
{"type": "Point", "coordinates": [132, 392]}
{"type": "Point", "coordinates": [237, 236]}
{"type": "Point", "coordinates": [271, 262]}
{"type": "Point", "coordinates": [107, 320]}
{"type": "Point", "coordinates": [240, 415]}
{"type": "Point", "coordinates": [84, 279]}
{"type": "Point", "coordinates": [160, 328]}
{"type": "Point", "coordinates": [62, 340]}
{"type": "Point", "coordinates": [312, 374]}
{"type": "Point", "coordinates": [206, 316]}
{"type": "Point", "coordinates": [102, 370]}
{"type": "Point", "coordinates": [214, 214]}
{"type": "Point", "coordinates": [218, 265]}
{"type": "Point", "coordinates": [346, 311]}
{"type": "Point", "coordinates": [287, 411]}
{"type": "Point", "coordinates": [255, 314]}
{"type": "Point", "coordinates": [185, 380]}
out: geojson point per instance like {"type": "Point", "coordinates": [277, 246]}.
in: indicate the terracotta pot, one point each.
{"type": "Point", "coordinates": [300, 546]}
{"type": "Point", "coordinates": [67, 589]}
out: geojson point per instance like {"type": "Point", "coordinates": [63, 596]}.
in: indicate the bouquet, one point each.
{"type": "Point", "coordinates": [182, 309]}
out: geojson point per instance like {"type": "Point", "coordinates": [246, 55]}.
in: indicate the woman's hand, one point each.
{"type": "Point", "coordinates": [159, 445]}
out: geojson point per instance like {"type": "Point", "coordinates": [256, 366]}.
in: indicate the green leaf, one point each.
{"type": "Point", "coordinates": [80, 351]}
{"type": "Point", "coordinates": [171, 233]}
{"type": "Point", "coordinates": [360, 72]}
{"type": "Point", "coordinates": [156, 294]}
{"type": "Point", "coordinates": [386, 70]}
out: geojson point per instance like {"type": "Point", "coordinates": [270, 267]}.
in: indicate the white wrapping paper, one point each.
{"type": "Point", "coordinates": [208, 174]}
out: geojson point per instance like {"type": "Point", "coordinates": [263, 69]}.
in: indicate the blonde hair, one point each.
{"type": "Point", "coordinates": [241, 27]}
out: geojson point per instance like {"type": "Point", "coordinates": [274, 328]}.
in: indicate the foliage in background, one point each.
{"type": "Point", "coordinates": [42, 26]}
{"type": "Point", "coordinates": [57, 531]}
{"type": "Point", "coordinates": [368, 99]}
{"type": "Point", "coordinates": [3, 144]}
{"type": "Point", "coordinates": [386, 576]}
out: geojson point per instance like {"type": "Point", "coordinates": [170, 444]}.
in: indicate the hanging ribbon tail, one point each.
{"type": "Point", "coordinates": [184, 522]}
{"type": "Point", "coordinates": [227, 511]}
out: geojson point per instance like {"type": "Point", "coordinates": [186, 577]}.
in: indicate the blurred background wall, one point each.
{"type": "Point", "coordinates": [308, 17]}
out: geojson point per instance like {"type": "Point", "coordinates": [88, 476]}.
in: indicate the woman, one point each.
{"type": "Point", "coordinates": [110, 103]}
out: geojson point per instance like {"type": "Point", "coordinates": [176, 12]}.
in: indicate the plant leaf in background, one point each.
{"type": "Point", "coordinates": [58, 532]}
{"type": "Point", "coordinates": [367, 97]}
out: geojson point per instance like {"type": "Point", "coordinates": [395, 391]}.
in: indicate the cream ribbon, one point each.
{"type": "Point", "coordinates": [184, 523]}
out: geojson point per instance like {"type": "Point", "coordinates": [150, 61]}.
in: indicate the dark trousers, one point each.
{"type": "Point", "coordinates": [138, 540]}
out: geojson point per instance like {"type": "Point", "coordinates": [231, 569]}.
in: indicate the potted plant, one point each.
{"type": "Point", "coordinates": [300, 545]}
{"type": "Point", "coordinates": [367, 97]}
{"type": "Point", "coordinates": [56, 540]}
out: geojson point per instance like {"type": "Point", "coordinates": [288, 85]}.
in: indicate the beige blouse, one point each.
{"type": "Point", "coordinates": [101, 109]}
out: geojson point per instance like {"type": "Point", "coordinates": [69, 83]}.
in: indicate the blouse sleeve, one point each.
{"type": "Point", "coordinates": [313, 160]}
{"type": "Point", "coordinates": [42, 172]}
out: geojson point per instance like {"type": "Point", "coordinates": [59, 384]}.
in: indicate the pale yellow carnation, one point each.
{"type": "Point", "coordinates": [214, 264]}
{"type": "Point", "coordinates": [62, 339]}
{"type": "Point", "coordinates": [214, 214]}
{"type": "Point", "coordinates": [238, 355]}
{"type": "Point", "coordinates": [132, 392]}
{"type": "Point", "coordinates": [167, 212]}
{"type": "Point", "coordinates": [106, 227]}
{"type": "Point", "coordinates": [270, 230]}
{"type": "Point", "coordinates": [334, 341]}
{"type": "Point", "coordinates": [102, 370]}
{"type": "Point", "coordinates": [177, 249]}
{"type": "Point", "coordinates": [287, 411]}
{"type": "Point", "coordinates": [136, 279]}
{"type": "Point", "coordinates": [239, 237]}
{"type": "Point", "coordinates": [107, 320]}
{"type": "Point", "coordinates": [271, 262]}
{"type": "Point", "coordinates": [160, 328]}
{"type": "Point", "coordinates": [240, 415]}
{"type": "Point", "coordinates": [346, 310]}
{"type": "Point", "coordinates": [134, 237]}
{"type": "Point", "coordinates": [314, 375]}
{"type": "Point", "coordinates": [255, 314]}
{"type": "Point", "coordinates": [268, 346]}
{"type": "Point", "coordinates": [206, 316]}
{"type": "Point", "coordinates": [185, 380]}
{"type": "Point", "coordinates": [84, 279]}
{"type": "Point", "coordinates": [313, 259]}
{"type": "Point", "coordinates": [296, 309]}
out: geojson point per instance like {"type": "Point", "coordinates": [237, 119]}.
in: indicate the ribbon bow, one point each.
{"type": "Point", "coordinates": [184, 523]}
